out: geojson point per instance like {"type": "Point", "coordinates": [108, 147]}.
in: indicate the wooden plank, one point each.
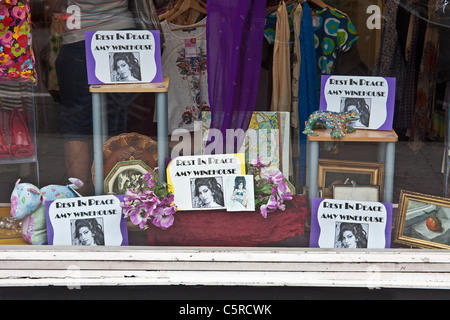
{"type": "Point", "coordinates": [57, 265]}
{"type": "Point", "coordinates": [359, 135]}
{"type": "Point", "coordinates": [223, 254]}
{"type": "Point", "coordinates": [131, 87]}
{"type": "Point", "coordinates": [223, 266]}
{"type": "Point", "coordinates": [79, 278]}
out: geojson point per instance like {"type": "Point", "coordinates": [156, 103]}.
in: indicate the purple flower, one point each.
{"type": "Point", "coordinates": [139, 217]}
{"type": "Point", "coordinates": [163, 218]}
{"type": "Point", "coordinates": [271, 206]}
{"type": "Point", "coordinates": [143, 204]}
{"type": "Point", "coordinates": [258, 163]}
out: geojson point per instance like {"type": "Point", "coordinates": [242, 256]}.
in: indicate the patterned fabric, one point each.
{"type": "Point", "coordinates": [390, 61]}
{"type": "Point", "coordinates": [296, 56]}
{"type": "Point", "coordinates": [188, 89]}
{"type": "Point", "coordinates": [100, 15]}
{"type": "Point", "coordinates": [333, 33]}
{"type": "Point", "coordinates": [56, 36]}
{"type": "Point", "coordinates": [423, 124]}
{"type": "Point", "coordinates": [271, 23]}
{"type": "Point", "coordinates": [405, 110]}
{"type": "Point", "coordinates": [16, 54]}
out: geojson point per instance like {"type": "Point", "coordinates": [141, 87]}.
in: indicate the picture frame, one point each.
{"type": "Point", "coordinates": [413, 225]}
{"type": "Point", "coordinates": [361, 193]}
{"type": "Point", "coordinates": [125, 172]}
{"type": "Point", "coordinates": [332, 172]}
{"type": "Point", "coordinates": [207, 193]}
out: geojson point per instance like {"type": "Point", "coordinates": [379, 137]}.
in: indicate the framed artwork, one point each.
{"type": "Point", "coordinates": [423, 221]}
{"type": "Point", "coordinates": [207, 192]}
{"type": "Point", "coordinates": [355, 173]}
{"type": "Point", "coordinates": [360, 193]}
{"type": "Point", "coordinates": [126, 174]}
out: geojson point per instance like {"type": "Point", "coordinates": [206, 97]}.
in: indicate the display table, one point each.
{"type": "Point", "coordinates": [236, 229]}
{"type": "Point", "coordinates": [386, 153]}
{"type": "Point", "coordinates": [100, 123]}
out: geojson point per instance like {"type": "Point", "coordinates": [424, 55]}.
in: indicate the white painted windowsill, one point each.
{"type": "Point", "coordinates": [301, 267]}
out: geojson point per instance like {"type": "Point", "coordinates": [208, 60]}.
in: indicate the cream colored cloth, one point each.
{"type": "Point", "coordinates": [281, 92]}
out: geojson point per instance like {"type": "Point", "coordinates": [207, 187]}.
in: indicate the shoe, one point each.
{"type": "Point", "coordinates": [20, 137]}
{"type": "Point", "coordinates": [5, 150]}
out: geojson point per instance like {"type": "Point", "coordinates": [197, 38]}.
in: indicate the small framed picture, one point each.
{"type": "Point", "coordinates": [126, 174]}
{"type": "Point", "coordinates": [240, 193]}
{"type": "Point", "coordinates": [125, 66]}
{"type": "Point", "coordinates": [338, 172]}
{"type": "Point", "coordinates": [423, 221]}
{"type": "Point", "coordinates": [207, 193]}
{"type": "Point", "coordinates": [360, 193]}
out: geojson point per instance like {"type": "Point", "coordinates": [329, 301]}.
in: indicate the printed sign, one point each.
{"type": "Point", "coordinates": [86, 221]}
{"type": "Point", "coordinates": [198, 182]}
{"type": "Point", "coordinates": [131, 56]}
{"type": "Point", "coordinates": [350, 224]}
{"type": "Point", "coordinates": [372, 97]}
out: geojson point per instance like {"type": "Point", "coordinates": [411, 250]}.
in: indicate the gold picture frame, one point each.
{"type": "Point", "coordinates": [123, 172]}
{"type": "Point", "coordinates": [349, 172]}
{"type": "Point", "coordinates": [411, 228]}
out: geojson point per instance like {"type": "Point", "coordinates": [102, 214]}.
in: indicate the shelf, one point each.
{"type": "Point", "coordinates": [357, 136]}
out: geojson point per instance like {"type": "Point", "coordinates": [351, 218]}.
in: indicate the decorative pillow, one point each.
{"type": "Point", "coordinates": [16, 54]}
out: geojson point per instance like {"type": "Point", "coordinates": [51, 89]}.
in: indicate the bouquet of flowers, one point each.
{"type": "Point", "coordinates": [271, 189]}
{"type": "Point", "coordinates": [151, 201]}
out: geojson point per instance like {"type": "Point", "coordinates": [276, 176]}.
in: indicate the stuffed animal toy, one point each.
{"type": "Point", "coordinates": [28, 205]}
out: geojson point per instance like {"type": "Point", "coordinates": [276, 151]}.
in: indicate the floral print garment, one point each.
{"type": "Point", "coordinates": [188, 90]}
{"type": "Point", "coordinates": [16, 54]}
{"type": "Point", "coordinates": [333, 33]}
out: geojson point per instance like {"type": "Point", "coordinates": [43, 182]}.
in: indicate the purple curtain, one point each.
{"type": "Point", "coordinates": [234, 35]}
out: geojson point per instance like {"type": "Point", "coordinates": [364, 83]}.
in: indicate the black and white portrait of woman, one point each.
{"type": "Point", "coordinates": [207, 192]}
{"type": "Point", "coordinates": [360, 105]}
{"type": "Point", "coordinates": [351, 235]}
{"type": "Point", "coordinates": [125, 67]}
{"type": "Point", "coordinates": [87, 232]}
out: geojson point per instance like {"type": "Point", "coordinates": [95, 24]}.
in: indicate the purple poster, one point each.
{"type": "Point", "coordinates": [350, 224]}
{"type": "Point", "coordinates": [127, 56]}
{"type": "Point", "coordinates": [86, 221]}
{"type": "Point", "coordinates": [372, 97]}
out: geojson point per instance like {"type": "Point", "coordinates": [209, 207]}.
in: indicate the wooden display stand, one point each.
{"type": "Point", "coordinates": [100, 123]}
{"type": "Point", "coordinates": [386, 153]}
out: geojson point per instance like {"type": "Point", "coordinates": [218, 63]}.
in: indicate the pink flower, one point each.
{"type": "Point", "coordinates": [258, 162]}
{"type": "Point", "coordinates": [271, 206]}
{"type": "Point", "coordinates": [164, 217]}
{"type": "Point", "coordinates": [19, 12]}
{"type": "Point", "coordinates": [149, 203]}
{"type": "Point", "coordinates": [7, 38]}
{"type": "Point", "coordinates": [4, 12]}
{"type": "Point", "coordinates": [139, 217]}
